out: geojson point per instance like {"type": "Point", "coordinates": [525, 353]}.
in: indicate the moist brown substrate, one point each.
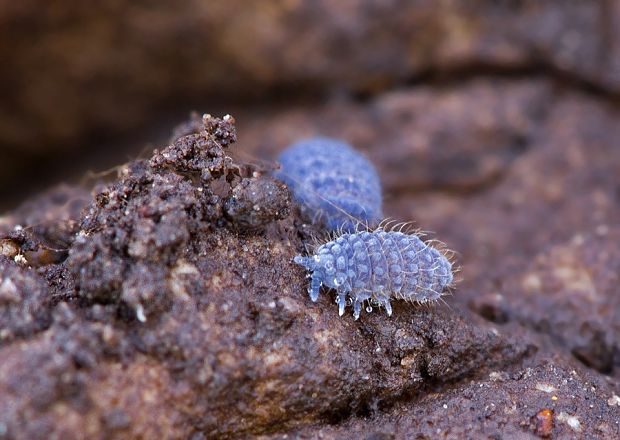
{"type": "Point", "coordinates": [164, 303]}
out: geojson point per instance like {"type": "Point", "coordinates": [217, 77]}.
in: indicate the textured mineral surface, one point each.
{"type": "Point", "coordinates": [78, 70]}
{"type": "Point", "coordinates": [546, 399]}
{"type": "Point", "coordinates": [159, 299]}
{"type": "Point", "coordinates": [169, 305]}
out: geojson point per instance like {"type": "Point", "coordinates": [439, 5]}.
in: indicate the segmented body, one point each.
{"type": "Point", "coordinates": [332, 182]}
{"type": "Point", "coordinates": [378, 266]}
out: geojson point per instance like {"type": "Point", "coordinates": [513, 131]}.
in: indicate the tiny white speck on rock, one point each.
{"type": "Point", "coordinates": [496, 376]}
{"type": "Point", "coordinates": [8, 291]}
{"type": "Point", "coordinates": [140, 313]}
{"type": "Point", "coordinates": [614, 400]}
{"type": "Point", "coordinates": [20, 259]}
{"type": "Point", "coordinates": [545, 387]}
{"type": "Point", "coordinates": [572, 421]}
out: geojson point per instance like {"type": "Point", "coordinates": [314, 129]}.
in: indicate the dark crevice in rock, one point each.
{"type": "Point", "coordinates": [539, 70]}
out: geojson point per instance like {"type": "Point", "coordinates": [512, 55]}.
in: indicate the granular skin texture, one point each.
{"type": "Point", "coordinates": [335, 184]}
{"type": "Point", "coordinates": [378, 266]}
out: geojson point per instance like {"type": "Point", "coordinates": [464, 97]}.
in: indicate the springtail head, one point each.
{"type": "Point", "coordinates": [307, 262]}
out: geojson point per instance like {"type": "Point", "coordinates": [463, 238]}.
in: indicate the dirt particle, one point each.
{"type": "Point", "coordinates": [138, 227]}
{"type": "Point", "coordinates": [8, 248]}
{"type": "Point", "coordinates": [408, 361]}
{"type": "Point", "coordinates": [545, 387]}
{"type": "Point", "coordinates": [543, 423]}
{"type": "Point", "coordinates": [571, 420]}
{"type": "Point", "coordinates": [8, 292]}
{"type": "Point", "coordinates": [614, 400]}
{"type": "Point", "coordinates": [116, 420]}
{"type": "Point", "coordinates": [257, 202]}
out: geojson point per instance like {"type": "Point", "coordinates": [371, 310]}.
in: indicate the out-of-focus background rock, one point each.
{"type": "Point", "coordinates": [81, 80]}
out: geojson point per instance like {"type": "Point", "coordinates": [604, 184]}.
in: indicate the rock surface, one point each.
{"type": "Point", "coordinates": [579, 280]}
{"type": "Point", "coordinates": [167, 317]}
{"type": "Point", "coordinates": [545, 400]}
{"type": "Point", "coordinates": [160, 300]}
{"type": "Point", "coordinates": [74, 70]}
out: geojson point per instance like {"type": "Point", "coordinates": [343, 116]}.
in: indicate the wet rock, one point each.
{"type": "Point", "coordinates": [256, 202]}
{"type": "Point", "coordinates": [167, 314]}
{"type": "Point", "coordinates": [257, 349]}
{"type": "Point", "coordinates": [572, 403]}
{"type": "Point", "coordinates": [45, 379]}
{"type": "Point", "coordinates": [233, 365]}
{"type": "Point", "coordinates": [183, 326]}
{"type": "Point", "coordinates": [570, 293]}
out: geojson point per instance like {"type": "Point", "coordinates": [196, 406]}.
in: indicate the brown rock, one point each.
{"type": "Point", "coordinates": [72, 70]}
{"type": "Point", "coordinates": [180, 325]}
{"type": "Point", "coordinates": [172, 318]}
{"type": "Point", "coordinates": [24, 307]}
{"type": "Point", "coordinates": [570, 293]}
{"type": "Point", "coordinates": [455, 139]}
{"type": "Point", "coordinates": [571, 402]}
